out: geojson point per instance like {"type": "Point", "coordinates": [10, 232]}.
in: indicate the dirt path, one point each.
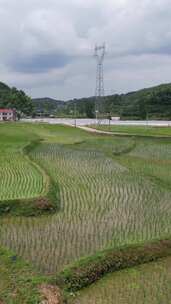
{"type": "Point", "coordinates": [95, 130]}
{"type": "Point", "coordinates": [119, 133]}
{"type": "Point", "coordinates": [51, 294]}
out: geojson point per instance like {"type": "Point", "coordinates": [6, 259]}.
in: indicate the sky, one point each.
{"type": "Point", "coordinates": [47, 46]}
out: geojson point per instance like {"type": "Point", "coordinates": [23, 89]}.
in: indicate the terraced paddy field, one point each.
{"type": "Point", "coordinates": [141, 285]}
{"type": "Point", "coordinates": [113, 191]}
{"type": "Point", "coordinates": [20, 178]}
{"type": "Point", "coordinates": [104, 201]}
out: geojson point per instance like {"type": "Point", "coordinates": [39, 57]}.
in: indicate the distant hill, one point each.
{"type": "Point", "coordinates": [47, 105]}
{"type": "Point", "coordinates": [152, 103]}
{"type": "Point", "coordinates": [4, 87]}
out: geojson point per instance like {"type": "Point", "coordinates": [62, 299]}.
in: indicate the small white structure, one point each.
{"type": "Point", "coordinates": [115, 118]}
{"type": "Point", "coordinates": [7, 115]}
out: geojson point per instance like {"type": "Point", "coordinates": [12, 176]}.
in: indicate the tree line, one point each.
{"type": "Point", "coordinates": [151, 103]}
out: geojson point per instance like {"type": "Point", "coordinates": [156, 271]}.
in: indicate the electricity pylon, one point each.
{"type": "Point", "coordinates": [99, 93]}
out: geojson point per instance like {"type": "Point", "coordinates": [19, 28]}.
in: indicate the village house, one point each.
{"type": "Point", "coordinates": [7, 115]}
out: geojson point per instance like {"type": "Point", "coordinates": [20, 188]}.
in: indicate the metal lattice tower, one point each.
{"type": "Point", "coordinates": [99, 93]}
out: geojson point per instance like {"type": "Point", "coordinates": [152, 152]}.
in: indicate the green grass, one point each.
{"type": "Point", "coordinates": [136, 130]}
{"type": "Point", "coordinates": [150, 283]}
{"type": "Point", "coordinates": [19, 283]}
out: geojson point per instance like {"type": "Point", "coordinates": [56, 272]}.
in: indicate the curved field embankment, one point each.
{"type": "Point", "coordinates": [147, 283]}
{"type": "Point", "coordinates": [25, 188]}
{"type": "Point", "coordinates": [90, 269]}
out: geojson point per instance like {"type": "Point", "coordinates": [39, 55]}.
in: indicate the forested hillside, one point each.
{"type": "Point", "coordinates": [47, 105]}
{"type": "Point", "coordinates": [15, 99]}
{"type": "Point", "coordinates": [151, 103]}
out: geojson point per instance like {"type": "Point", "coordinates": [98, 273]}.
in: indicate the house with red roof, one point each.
{"type": "Point", "coordinates": [7, 115]}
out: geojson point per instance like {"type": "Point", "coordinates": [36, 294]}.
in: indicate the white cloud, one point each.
{"type": "Point", "coordinates": [137, 34]}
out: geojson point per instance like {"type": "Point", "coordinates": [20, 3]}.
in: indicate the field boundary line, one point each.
{"type": "Point", "coordinates": [90, 269]}
{"type": "Point", "coordinates": [36, 165]}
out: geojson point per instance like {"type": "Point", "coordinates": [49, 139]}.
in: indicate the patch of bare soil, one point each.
{"type": "Point", "coordinates": [51, 294]}
{"type": "Point", "coordinates": [43, 203]}
{"type": "Point", "coordinates": [1, 302]}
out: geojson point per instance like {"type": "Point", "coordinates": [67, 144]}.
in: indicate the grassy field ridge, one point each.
{"type": "Point", "coordinates": [89, 270]}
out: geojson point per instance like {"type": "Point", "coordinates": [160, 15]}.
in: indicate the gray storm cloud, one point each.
{"type": "Point", "coordinates": [46, 47]}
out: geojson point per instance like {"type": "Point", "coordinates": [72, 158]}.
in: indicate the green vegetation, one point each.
{"type": "Point", "coordinates": [15, 99]}
{"type": "Point", "coordinates": [110, 192]}
{"type": "Point", "coordinates": [151, 103]}
{"type": "Point", "coordinates": [103, 203]}
{"type": "Point", "coordinates": [89, 270]}
{"type": "Point", "coordinates": [48, 106]}
{"type": "Point", "coordinates": [25, 188]}
{"type": "Point", "coordinates": [149, 283]}
{"type": "Point", "coordinates": [19, 284]}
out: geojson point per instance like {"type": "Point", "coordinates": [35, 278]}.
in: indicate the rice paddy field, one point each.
{"type": "Point", "coordinates": [113, 191]}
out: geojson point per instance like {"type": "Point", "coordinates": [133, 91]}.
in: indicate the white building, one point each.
{"type": "Point", "coordinates": [115, 118]}
{"type": "Point", "coordinates": [7, 115]}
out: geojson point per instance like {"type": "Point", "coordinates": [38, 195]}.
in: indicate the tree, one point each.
{"type": "Point", "coordinates": [15, 99]}
{"type": "Point", "coordinates": [89, 109]}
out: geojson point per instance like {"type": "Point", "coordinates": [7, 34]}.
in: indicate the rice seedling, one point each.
{"type": "Point", "coordinates": [104, 202]}
{"type": "Point", "coordinates": [20, 178]}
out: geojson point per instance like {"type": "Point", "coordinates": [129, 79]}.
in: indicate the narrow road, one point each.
{"type": "Point", "coordinates": [96, 131]}
{"type": "Point", "coordinates": [119, 133]}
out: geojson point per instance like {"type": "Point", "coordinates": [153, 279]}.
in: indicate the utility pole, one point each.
{"type": "Point", "coordinates": [75, 113]}
{"type": "Point", "coordinates": [99, 54]}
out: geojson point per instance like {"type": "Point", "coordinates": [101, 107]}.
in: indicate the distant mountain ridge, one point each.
{"type": "Point", "coordinates": [47, 105]}
{"type": "Point", "coordinates": [151, 103]}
